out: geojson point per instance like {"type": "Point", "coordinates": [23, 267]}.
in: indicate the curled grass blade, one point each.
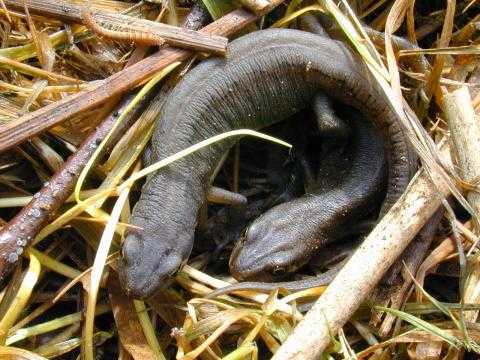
{"type": "Point", "coordinates": [290, 17]}
{"type": "Point", "coordinates": [216, 283]}
{"type": "Point", "coordinates": [70, 214]}
{"type": "Point", "coordinates": [229, 317]}
{"type": "Point", "coordinates": [191, 149]}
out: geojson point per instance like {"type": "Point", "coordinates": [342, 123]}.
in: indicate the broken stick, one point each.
{"type": "Point", "coordinates": [257, 6]}
{"type": "Point", "coordinates": [465, 131]}
{"type": "Point", "coordinates": [173, 35]}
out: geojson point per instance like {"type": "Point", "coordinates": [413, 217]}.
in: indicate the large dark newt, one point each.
{"type": "Point", "coordinates": [348, 189]}
{"type": "Point", "coordinates": [266, 77]}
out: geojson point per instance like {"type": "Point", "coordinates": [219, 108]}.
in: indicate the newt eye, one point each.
{"type": "Point", "coordinates": [278, 271]}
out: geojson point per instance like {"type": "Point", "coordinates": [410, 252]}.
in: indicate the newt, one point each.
{"type": "Point", "coordinates": [266, 77]}
{"type": "Point", "coordinates": [349, 187]}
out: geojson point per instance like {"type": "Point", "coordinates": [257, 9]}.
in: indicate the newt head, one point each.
{"type": "Point", "coordinates": [273, 246]}
{"type": "Point", "coordinates": [147, 263]}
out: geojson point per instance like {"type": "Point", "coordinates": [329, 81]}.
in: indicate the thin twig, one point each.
{"type": "Point", "coordinates": [7, 13]}
{"type": "Point", "coordinates": [176, 36]}
{"type": "Point", "coordinates": [34, 71]}
{"type": "Point", "coordinates": [434, 77]}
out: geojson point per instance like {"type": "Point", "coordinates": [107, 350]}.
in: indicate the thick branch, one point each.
{"type": "Point", "coordinates": [364, 270]}
{"type": "Point", "coordinates": [173, 35]}
{"type": "Point", "coordinates": [465, 131]}
{"type": "Point", "coordinates": [22, 229]}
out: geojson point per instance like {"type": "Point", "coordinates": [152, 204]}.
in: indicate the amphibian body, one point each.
{"type": "Point", "coordinates": [266, 77]}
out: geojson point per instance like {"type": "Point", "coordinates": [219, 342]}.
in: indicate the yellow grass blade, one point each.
{"type": "Point", "coordinates": [145, 89]}
{"type": "Point", "coordinates": [21, 298]}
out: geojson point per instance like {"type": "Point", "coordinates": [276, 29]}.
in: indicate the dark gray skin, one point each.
{"type": "Point", "coordinates": [266, 77]}
{"type": "Point", "coordinates": [253, 257]}
{"type": "Point", "coordinates": [273, 242]}
{"type": "Point", "coordinates": [297, 226]}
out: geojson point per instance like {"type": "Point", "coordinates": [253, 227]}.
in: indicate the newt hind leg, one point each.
{"type": "Point", "coordinates": [332, 134]}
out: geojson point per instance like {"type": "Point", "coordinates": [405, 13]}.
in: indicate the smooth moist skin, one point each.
{"type": "Point", "coordinates": [266, 77]}
{"type": "Point", "coordinates": [284, 238]}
